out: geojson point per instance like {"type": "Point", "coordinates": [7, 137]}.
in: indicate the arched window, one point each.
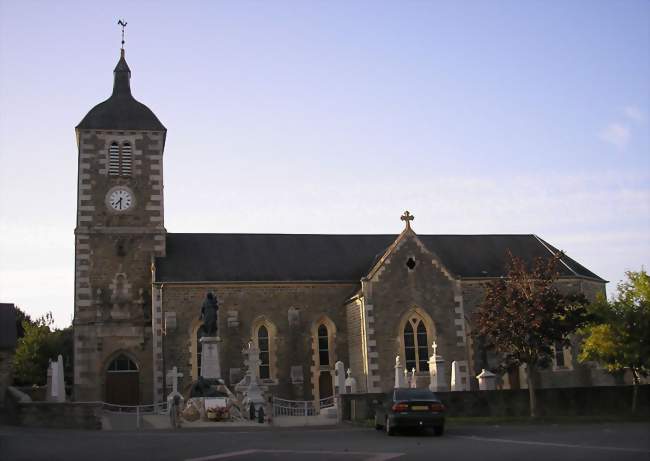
{"type": "Point", "coordinates": [323, 346]}
{"type": "Point", "coordinates": [416, 345]}
{"type": "Point", "coordinates": [265, 357]}
{"type": "Point", "coordinates": [122, 364]}
{"type": "Point", "coordinates": [114, 160]}
{"type": "Point", "coordinates": [126, 160]}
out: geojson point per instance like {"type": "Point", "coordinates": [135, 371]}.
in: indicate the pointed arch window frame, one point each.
{"type": "Point", "coordinates": [271, 353]}
{"type": "Point", "coordinates": [423, 333]}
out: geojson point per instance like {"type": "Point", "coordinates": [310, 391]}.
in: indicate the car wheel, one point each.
{"type": "Point", "coordinates": [389, 429]}
{"type": "Point", "coordinates": [438, 430]}
{"type": "Point", "coordinates": [378, 425]}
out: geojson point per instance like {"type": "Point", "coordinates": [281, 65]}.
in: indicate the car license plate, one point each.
{"type": "Point", "coordinates": [419, 407]}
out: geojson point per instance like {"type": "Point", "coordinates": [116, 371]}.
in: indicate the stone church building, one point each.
{"type": "Point", "coordinates": [307, 301]}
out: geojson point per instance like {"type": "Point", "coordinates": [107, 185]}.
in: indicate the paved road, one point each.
{"type": "Point", "coordinates": [591, 442]}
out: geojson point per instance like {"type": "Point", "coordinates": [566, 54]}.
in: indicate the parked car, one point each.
{"type": "Point", "coordinates": [410, 408]}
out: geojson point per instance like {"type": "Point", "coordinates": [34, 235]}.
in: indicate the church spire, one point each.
{"type": "Point", "coordinates": [121, 78]}
{"type": "Point", "coordinates": [122, 73]}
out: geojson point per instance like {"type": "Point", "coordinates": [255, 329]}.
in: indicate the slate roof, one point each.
{"type": "Point", "coordinates": [314, 257]}
{"type": "Point", "coordinates": [121, 111]}
{"type": "Point", "coordinates": [7, 326]}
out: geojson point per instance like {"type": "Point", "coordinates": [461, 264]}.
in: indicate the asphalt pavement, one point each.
{"type": "Point", "coordinates": [593, 442]}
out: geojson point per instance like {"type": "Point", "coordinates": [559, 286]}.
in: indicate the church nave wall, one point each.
{"type": "Point", "coordinates": [291, 314]}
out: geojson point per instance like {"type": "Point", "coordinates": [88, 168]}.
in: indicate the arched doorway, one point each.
{"type": "Point", "coordinates": [122, 381]}
{"type": "Point", "coordinates": [325, 385]}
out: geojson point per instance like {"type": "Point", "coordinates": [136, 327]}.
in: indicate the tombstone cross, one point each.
{"type": "Point", "coordinates": [173, 375]}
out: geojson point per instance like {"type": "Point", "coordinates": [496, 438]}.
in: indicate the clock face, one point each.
{"type": "Point", "coordinates": [120, 199]}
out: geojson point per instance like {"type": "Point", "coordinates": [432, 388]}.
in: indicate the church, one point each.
{"type": "Point", "coordinates": [305, 300]}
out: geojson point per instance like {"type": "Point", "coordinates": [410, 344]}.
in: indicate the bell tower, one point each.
{"type": "Point", "coordinates": [119, 230]}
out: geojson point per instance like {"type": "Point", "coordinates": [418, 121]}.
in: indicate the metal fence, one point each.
{"type": "Point", "coordinates": [137, 411]}
{"type": "Point", "coordinates": [284, 407]}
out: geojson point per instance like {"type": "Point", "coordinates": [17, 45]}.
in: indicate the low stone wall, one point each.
{"type": "Point", "coordinates": [37, 393]}
{"type": "Point", "coordinates": [69, 415]}
{"type": "Point", "coordinates": [573, 401]}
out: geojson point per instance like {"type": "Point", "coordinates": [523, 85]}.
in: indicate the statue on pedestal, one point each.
{"type": "Point", "coordinates": [209, 310]}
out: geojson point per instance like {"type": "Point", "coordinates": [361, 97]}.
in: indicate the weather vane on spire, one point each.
{"type": "Point", "coordinates": [122, 23]}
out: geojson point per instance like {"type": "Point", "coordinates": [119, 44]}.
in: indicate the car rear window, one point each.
{"type": "Point", "coordinates": [414, 394]}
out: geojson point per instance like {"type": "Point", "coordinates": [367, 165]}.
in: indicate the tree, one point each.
{"type": "Point", "coordinates": [523, 316]}
{"type": "Point", "coordinates": [39, 344]}
{"type": "Point", "coordinates": [618, 335]}
{"type": "Point", "coordinates": [21, 317]}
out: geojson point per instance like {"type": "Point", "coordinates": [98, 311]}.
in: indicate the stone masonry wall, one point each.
{"type": "Point", "coordinates": [395, 291]}
{"type": "Point", "coordinates": [356, 344]}
{"type": "Point", "coordinates": [113, 254]}
{"type": "Point", "coordinates": [240, 307]}
{"type": "Point", "coordinates": [575, 374]}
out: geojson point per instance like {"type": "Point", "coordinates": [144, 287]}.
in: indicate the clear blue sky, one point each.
{"type": "Point", "coordinates": [335, 117]}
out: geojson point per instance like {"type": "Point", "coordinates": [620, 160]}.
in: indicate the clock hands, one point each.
{"type": "Point", "coordinates": [120, 200]}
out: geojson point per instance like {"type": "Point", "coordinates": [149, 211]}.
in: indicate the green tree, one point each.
{"type": "Point", "coordinates": [618, 336]}
{"type": "Point", "coordinates": [37, 346]}
{"type": "Point", "coordinates": [21, 317]}
{"type": "Point", "coordinates": [523, 315]}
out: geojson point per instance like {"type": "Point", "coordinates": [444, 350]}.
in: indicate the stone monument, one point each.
{"type": "Point", "coordinates": [350, 384]}
{"type": "Point", "coordinates": [437, 371]}
{"type": "Point", "coordinates": [172, 377]}
{"type": "Point", "coordinates": [339, 378]}
{"type": "Point", "coordinates": [210, 365]}
{"type": "Point", "coordinates": [457, 383]}
{"type": "Point", "coordinates": [487, 381]}
{"type": "Point", "coordinates": [253, 392]}
{"type": "Point", "coordinates": [400, 382]}
{"type": "Point", "coordinates": [56, 381]}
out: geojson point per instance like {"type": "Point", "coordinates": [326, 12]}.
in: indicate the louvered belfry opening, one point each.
{"type": "Point", "coordinates": [120, 159]}
{"type": "Point", "coordinates": [114, 160]}
{"type": "Point", "coordinates": [126, 160]}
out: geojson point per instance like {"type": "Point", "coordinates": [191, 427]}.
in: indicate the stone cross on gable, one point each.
{"type": "Point", "coordinates": [407, 218]}
{"type": "Point", "coordinates": [173, 376]}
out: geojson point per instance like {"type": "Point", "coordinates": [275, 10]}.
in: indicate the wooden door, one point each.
{"type": "Point", "coordinates": [122, 388]}
{"type": "Point", "coordinates": [325, 385]}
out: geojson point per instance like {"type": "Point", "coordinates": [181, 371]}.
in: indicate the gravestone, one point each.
{"type": "Point", "coordinates": [56, 390]}
{"type": "Point", "coordinates": [400, 382]}
{"type": "Point", "coordinates": [458, 377]}
{"type": "Point", "coordinates": [253, 393]}
{"type": "Point", "coordinates": [339, 378]}
{"type": "Point", "coordinates": [487, 381]}
{"type": "Point", "coordinates": [172, 377]}
{"type": "Point", "coordinates": [438, 383]}
{"type": "Point", "coordinates": [350, 384]}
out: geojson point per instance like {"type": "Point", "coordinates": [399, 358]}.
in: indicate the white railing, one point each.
{"type": "Point", "coordinates": [284, 407]}
{"type": "Point", "coordinates": [138, 411]}
{"type": "Point", "coordinates": [327, 402]}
